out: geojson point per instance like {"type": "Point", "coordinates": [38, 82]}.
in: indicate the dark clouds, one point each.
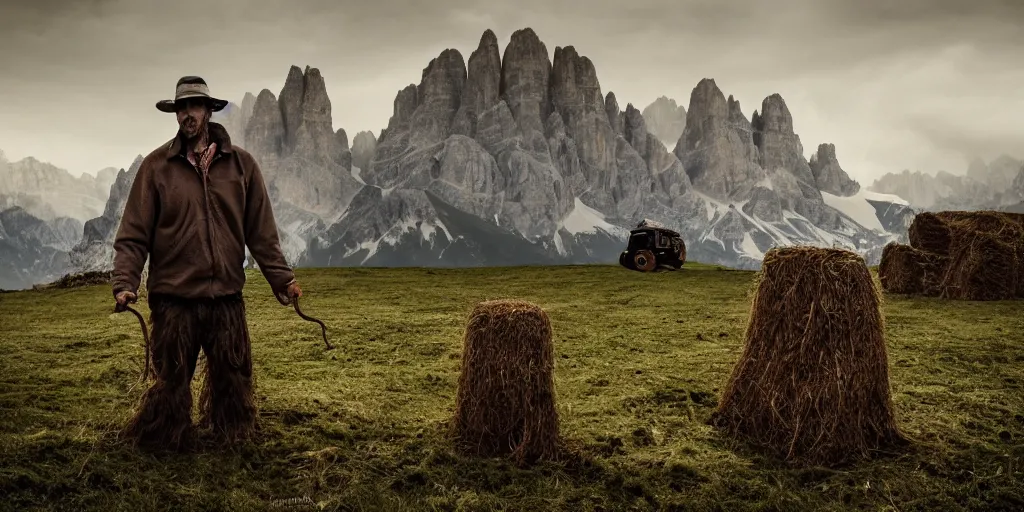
{"type": "Point", "coordinates": [920, 84]}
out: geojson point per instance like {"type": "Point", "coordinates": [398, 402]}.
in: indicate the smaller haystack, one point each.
{"type": "Point", "coordinates": [982, 266]}
{"type": "Point", "coordinates": [812, 384]}
{"type": "Point", "coordinates": [982, 254]}
{"type": "Point", "coordinates": [78, 280]}
{"type": "Point", "coordinates": [506, 398]}
{"type": "Point", "coordinates": [911, 271]}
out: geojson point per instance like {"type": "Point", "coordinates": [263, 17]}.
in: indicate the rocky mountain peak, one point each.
{"type": "Point", "coordinates": [829, 175]}
{"type": "Point", "coordinates": [717, 148]}
{"type": "Point", "coordinates": [575, 90]}
{"type": "Point", "coordinates": [95, 251]}
{"type": "Point", "coordinates": [482, 89]}
{"type": "Point", "coordinates": [265, 132]}
{"type": "Point", "coordinates": [363, 146]}
{"type": "Point", "coordinates": [305, 111]}
{"type": "Point", "coordinates": [248, 102]}
{"type": "Point", "coordinates": [290, 100]}
{"type": "Point", "coordinates": [779, 147]}
{"type": "Point", "coordinates": [438, 98]}
{"type": "Point", "coordinates": [342, 139]}
{"type": "Point", "coordinates": [707, 100]}
{"type": "Point", "coordinates": [665, 120]}
{"type": "Point", "coordinates": [775, 115]}
{"type": "Point", "coordinates": [635, 129]}
{"type": "Point", "coordinates": [615, 116]}
{"type": "Point", "coordinates": [525, 78]}
{"type": "Point", "coordinates": [306, 162]}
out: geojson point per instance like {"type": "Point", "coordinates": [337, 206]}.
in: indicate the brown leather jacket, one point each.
{"type": "Point", "coordinates": [195, 231]}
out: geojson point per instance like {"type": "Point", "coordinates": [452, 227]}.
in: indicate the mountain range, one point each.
{"type": "Point", "coordinates": [996, 185]}
{"type": "Point", "coordinates": [514, 156]}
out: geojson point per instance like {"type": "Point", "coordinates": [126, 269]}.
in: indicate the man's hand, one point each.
{"type": "Point", "coordinates": [124, 298]}
{"type": "Point", "coordinates": [294, 291]}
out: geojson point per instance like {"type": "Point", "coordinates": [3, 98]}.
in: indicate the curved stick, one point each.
{"type": "Point", "coordinates": [145, 336]}
{"type": "Point", "coordinates": [295, 303]}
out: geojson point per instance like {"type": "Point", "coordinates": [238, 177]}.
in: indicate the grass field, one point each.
{"type": "Point", "coordinates": [641, 362]}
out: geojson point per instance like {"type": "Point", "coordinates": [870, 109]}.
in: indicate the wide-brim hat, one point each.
{"type": "Point", "coordinates": [191, 87]}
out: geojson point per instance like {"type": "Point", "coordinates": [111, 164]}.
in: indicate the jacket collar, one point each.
{"type": "Point", "coordinates": [218, 134]}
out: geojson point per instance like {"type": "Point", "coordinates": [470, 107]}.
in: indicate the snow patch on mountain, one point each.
{"type": "Point", "coordinates": [749, 248]}
{"type": "Point", "coordinates": [584, 219]}
{"type": "Point", "coordinates": [885, 198]}
{"type": "Point", "coordinates": [855, 207]}
{"type": "Point", "coordinates": [356, 174]}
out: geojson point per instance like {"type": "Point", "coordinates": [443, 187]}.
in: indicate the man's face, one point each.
{"type": "Point", "coordinates": [193, 113]}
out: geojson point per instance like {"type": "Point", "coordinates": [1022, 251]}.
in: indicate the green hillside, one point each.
{"type": "Point", "coordinates": [641, 361]}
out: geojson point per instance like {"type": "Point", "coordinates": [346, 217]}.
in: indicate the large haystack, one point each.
{"type": "Point", "coordinates": [982, 266]}
{"type": "Point", "coordinates": [506, 397]}
{"type": "Point", "coordinates": [1003, 225]}
{"type": "Point", "coordinates": [907, 270]}
{"type": "Point", "coordinates": [812, 384]}
{"type": "Point", "coordinates": [930, 232]}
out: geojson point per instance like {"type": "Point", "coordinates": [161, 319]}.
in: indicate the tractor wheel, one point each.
{"type": "Point", "coordinates": [622, 259]}
{"type": "Point", "coordinates": [644, 260]}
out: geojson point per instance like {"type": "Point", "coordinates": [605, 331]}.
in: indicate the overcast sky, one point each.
{"type": "Point", "coordinates": [894, 84]}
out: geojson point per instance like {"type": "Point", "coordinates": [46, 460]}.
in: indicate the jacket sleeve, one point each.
{"type": "Point", "coordinates": [261, 235]}
{"type": "Point", "coordinates": [135, 232]}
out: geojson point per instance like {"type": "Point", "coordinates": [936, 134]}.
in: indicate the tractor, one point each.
{"type": "Point", "coordinates": [652, 246]}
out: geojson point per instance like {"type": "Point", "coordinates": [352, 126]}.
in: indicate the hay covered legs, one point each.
{"type": "Point", "coordinates": [181, 329]}
{"type": "Point", "coordinates": [227, 402]}
{"type": "Point", "coordinates": [164, 414]}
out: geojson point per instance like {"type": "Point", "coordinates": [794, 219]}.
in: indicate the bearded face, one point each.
{"type": "Point", "coordinates": [193, 114]}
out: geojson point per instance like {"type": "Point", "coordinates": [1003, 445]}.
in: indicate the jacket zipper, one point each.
{"type": "Point", "coordinates": [204, 177]}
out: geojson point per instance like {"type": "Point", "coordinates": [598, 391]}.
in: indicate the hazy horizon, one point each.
{"type": "Point", "coordinates": [923, 85]}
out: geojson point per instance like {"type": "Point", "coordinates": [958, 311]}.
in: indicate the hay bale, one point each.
{"type": "Point", "coordinates": [982, 266]}
{"type": "Point", "coordinates": [1001, 224]}
{"type": "Point", "coordinates": [930, 232]}
{"type": "Point", "coordinates": [506, 398]}
{"type": "Point", "coordinates": [81, 279]}
{"type": "Point", "coordinates": [910, 271]}
{"type": "Point", "coordinates": [812, 384]}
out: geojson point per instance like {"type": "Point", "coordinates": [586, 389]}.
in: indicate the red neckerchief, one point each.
{"type": "Point", "coordinates": [204, 158]}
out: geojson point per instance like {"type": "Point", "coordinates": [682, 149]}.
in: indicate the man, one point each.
{"type": "Point", "coordinates": [196, 203]}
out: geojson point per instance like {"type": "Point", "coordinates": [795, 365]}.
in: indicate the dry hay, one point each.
{"type": "Point", "coordinates": [1001, 224]}
{"type": "Point", "coordinates": [982, 266]}
{"type": "Point", "coordinates": [934, 231]}
{"type": "Point", "coordinates": [907, 270]}
{"type": "Point", "coordinates": [812, 384]}
{"type": "Point", "coordinates": [930, 232]}
{"type": "Point", "coordinates": [82, 279]}
{"type": "Point", "coordinates": [506, 398]}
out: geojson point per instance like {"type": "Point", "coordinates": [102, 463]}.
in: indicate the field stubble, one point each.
{"type": "Point", "coordinates": [640, 363]}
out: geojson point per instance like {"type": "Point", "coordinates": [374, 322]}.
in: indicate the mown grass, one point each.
{"type": "Point", "coordinates": [641, 362]}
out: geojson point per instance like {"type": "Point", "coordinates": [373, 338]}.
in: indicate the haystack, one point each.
{"type": "Point", "coordinates": [982, 266]}
{"type": "Point", "coordinates": [78, 280]}
{"type": "Point", "coordinates": [907, 270]}
{"type": "Point", "coordinates": [930, 232]}
{"type": "Point", "coordinates": [812, 385]}
{"type": "Point", "coordinates": [506, 397]}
